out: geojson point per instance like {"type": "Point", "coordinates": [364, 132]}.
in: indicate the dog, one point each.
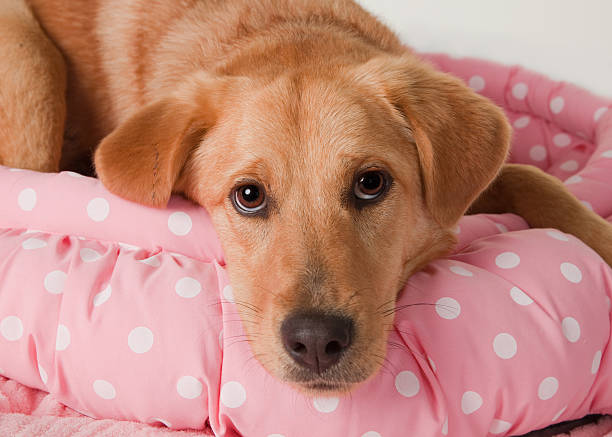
{"type": "Point", "coordinates": [332, 161]}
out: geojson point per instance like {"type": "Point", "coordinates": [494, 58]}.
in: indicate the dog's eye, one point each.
{"type": "Point", "coordinates": [249, 198]}
{"type": "Point", "coordinates": [370, 185]}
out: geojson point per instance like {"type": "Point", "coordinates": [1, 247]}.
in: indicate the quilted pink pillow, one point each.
{"type": "Point", "coordinates": [125, 312]}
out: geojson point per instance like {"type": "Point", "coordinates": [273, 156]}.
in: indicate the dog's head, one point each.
{"type": "Point", "coordinates": [327, 190]}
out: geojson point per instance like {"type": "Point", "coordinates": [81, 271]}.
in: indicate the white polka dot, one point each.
{"type": "Point", "coordinates": [179, 223]}
{"type": "Point", "coordinates": [562, 140]}
{"type": "Point", "coordinates": [104, 389]}
{"type": "Point", "coordinates": [371, 434]}
{"type": "Point", "coordinates": [571, 329]}
{"type": "Point", "coordinates": [432, 364]}
{"type": "Point", "coordinates": [62, 340]}
{"type": "Point", "coordinates": [470, 402]}
{"type": "Point", "coordinates": [570, 165]}
{"type": "Point", "coordinates": [228, 293]}
{"type": "Point", "coordinates": [98, 209]}
{"type": "Point", "coordinates": [55, 282]}
{"type": "Point", "coordinates": [561, 411]}
{"type": "Point", "coordinates": [520, 297]}
{"type": "Point", "coordinates": [187, 287]}
{"type": "Point", "coordinates": [189, 387]}
{"type": "Point", "coordinates": [599, 113]}
{"type": "Point", "coordinates": [477, 83]}
{"type": "Point", "coordinates": [16, 169]}
{"type": "Point", "coordinates": [499, 426]}
{"type": "Point", "coordinates": [445, 426]}
{"type": "Point", "coordinates": [221, 339]}
{"type": "Point", "coordinates": [507, 260]}
{"type": "Point", "coordinates": [587, 204]}
{"type": "Point", "coordinates": [140, 340]}
{"type": "Point", "coordinates": [458, 270]}
{"type": "Point", "coordinates": [166, 423]}
{"type": "Point", "coordinates": [11, 328]}
{"type": "Point", "coordinates": [33, 243]}
{"type": "Point", "coordinates": [522, 122]}
{"type": "Point", "coordinates": [557, 104]}
{"type": "Point", "coordinates": [44, 377]}
{"type": "Point", "coordinates": [89, 255]}
{"type": "Point", "coordinates": [326, 405]}
{"type": "Point", "coordinates": [576, 179]}
{"type": "Point", "coordinates": [538, 153]}
{"type": "Point", "coordinates": [557, 235]}
{"type": "Point", "coordinates": [448, 308]}
{"type": "Point", "coordinates": [607, 154]}
{"type": "Point", "coordinates": [504, 346]}
{"type": "Point", "coordinates": [233, 394]}
{"type": "Point", "coordinates": [596, 362]}
{"type": "Point", "coordinates": [152, 261]}
{"type": "Point", "coordinates": [27, 199]}
{"type": "Point", "coordinates": [407, 384]}
{"type": "Point", "coordinates": [520, 90]}
{"type": "Point", "coordinates": [102, 296]}
{"type": "Point", "coordinates": [502, 228]}
{"type": "Point", "coordinates": [457, 230]}
{"type": "Point", "coordinates": [548, 388]}
{"type": "Point", "coordinates": [571, 272]}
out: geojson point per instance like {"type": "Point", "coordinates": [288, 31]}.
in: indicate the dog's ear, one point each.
{"type": "Point", "coordinates": [141, 160]}
{"type": "Point", "coordinates": [462, 138]}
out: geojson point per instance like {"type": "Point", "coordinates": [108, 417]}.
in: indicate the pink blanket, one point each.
{"type": "Point", "coordinates": [26, 412]}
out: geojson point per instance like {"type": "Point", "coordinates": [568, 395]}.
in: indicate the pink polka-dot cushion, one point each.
{"type": "Point", "coordinates": [125, 312]}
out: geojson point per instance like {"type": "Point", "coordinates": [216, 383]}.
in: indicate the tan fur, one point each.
{"type": "Point", "coordinates": [300, 95]}
{"type": "Point", "coordinates": [32, 107]}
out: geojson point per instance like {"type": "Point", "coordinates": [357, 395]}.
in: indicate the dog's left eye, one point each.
{"type": "Point", "coordinates": [370, 185]}
{"type": "Point", "coordinates": [249, 198]}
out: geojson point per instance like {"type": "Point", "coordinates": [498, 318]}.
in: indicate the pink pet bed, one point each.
{"type": "Point", "coordinates": [124, 312]}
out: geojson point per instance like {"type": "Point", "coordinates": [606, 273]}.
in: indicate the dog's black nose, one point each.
{"type": "Point", "coordinates": [315, 340]}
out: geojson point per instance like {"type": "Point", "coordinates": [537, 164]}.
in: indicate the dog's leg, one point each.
{"type": "Point", "coordinates": [32, 91]}
{"type": "Point", "coordinates": [544, 202]}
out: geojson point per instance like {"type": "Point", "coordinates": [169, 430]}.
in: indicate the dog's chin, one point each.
{"type": "Point", "coordinates": [336, 381]}
{"type": "Point", "coordinates": [325, 388]}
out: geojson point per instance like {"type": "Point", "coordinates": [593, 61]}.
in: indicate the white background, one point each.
{"type": "Point", "coordinates": [567, 40]}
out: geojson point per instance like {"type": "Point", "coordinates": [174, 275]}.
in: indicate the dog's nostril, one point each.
{"type": "Point", "coordinates": [316, 340]}
{"type": "Point", "coordinates": [332, 348]}
{"type": "Point", "coordinates": [299, 348]}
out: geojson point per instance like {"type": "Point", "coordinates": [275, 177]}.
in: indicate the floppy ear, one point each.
{"type": "Point", "coordinates": [462, 138]}
{"type": "Point", "coordinates": [142, 159]}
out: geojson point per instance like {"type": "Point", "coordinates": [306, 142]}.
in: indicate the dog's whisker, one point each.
{"type": "Point", "coordinates": [396, 309]}
{"type": "Point", "coordinates": [245, 306]}
{"type": "Point", "coordinates": [397, 345]}
{"type": "Point", "coordinates": [248, 305]}
{"type": "Point", "coordinates": [384, 363]}
{"type": "Point", "coordinates": [389, 302]}
{"type": "Point", "coordinates": [254, 322]}
{"type": "Point", "coordinates": [251, 362]}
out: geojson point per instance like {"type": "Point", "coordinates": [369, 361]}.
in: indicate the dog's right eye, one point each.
{"type": "Point", "coordinates": [249, 198]}
{"type": "Point", "coordinates": [371, 185]}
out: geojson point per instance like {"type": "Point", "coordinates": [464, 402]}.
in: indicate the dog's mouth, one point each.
{"type": "Point", "coordinates": [326, 387]}
{"type": "Point", "coordinates": [318, 385]}
{"type": "Point", "coordinates": [339, 379]}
